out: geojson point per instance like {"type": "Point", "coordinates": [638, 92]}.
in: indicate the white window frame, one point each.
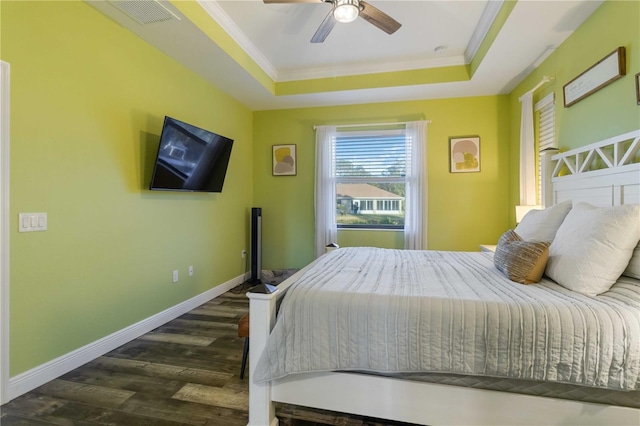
{"type": "Point", "coordinates": [348, 179]}
{"type": "Point", "coordinates": [415, 207]}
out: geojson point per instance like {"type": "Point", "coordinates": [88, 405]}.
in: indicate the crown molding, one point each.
{"type": "Point", "coordinates": [484, 24]}
{"type": "Point", "coordinates": [220, 16]}
{"type": "Point", "coordinates": [367, 68]}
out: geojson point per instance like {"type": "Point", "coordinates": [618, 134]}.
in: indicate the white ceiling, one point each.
{"type": "Point", "coordinates": [281, 32]}
{"type": "Point", "coordinates": [277, 37]}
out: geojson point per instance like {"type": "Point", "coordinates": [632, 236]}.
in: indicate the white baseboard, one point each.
{"type": "Point", "coordinates": [29, 380]}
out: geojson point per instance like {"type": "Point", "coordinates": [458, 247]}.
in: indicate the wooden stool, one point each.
{"type": "Point", "coordinates": [243, 331]}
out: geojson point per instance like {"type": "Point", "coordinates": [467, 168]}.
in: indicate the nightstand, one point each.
{"type": "Point", "coordinates": [487, 248]}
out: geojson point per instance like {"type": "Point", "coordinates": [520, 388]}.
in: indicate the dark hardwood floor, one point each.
{"type": "Point", "coordinates": [185, 372]}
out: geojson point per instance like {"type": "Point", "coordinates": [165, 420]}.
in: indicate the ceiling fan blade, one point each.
{"type": "Point", "coordinates": [378, 18]}
{"type": "Point", "coordinates": [292, 1]}
{"type": "Point", "coordinates": [324, 29]}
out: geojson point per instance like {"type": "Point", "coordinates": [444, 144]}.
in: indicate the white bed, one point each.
{"type": "Point", "coordinates": [616, 181]}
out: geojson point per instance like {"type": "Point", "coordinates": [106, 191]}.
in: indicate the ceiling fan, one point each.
{"type": "Point", "coordinates": [348, 11]}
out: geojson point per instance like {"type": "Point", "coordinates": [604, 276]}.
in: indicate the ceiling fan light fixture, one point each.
{"type": "Point", "coordinates": [346, 11]}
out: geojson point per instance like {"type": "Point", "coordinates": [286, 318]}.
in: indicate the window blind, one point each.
{"type": "Point", "coordinates": [546, 131]}
{"type": "Point", "coordinates": [372, 157]}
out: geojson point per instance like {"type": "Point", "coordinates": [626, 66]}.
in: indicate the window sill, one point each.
{"type": "Point", "coordinates": [369, 228]}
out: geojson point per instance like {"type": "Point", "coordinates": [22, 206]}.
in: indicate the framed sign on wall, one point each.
{"type": "Point", "coordinates": [604, 72]}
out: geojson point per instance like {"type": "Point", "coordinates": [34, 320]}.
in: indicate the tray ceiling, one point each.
{"type": "Point", "coordinates": [261, 53]}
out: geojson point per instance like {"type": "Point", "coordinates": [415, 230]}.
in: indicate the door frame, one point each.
{"type": "Point", "coordinates": [4, 230]}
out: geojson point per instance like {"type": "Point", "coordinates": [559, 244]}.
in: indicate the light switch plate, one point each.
{"type": "Point", "coordinates": [32, 222]}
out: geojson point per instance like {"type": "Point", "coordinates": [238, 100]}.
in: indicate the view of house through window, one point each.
{"type": "Point", "coordinates": [370, 169]}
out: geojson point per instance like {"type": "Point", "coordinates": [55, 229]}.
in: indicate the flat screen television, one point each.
{"type": "Point", "coordinates": [190, 159]}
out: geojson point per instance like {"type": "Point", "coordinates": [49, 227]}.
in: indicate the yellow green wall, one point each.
{"type": "Point", "coordinates": [465, 209]}
{"type": "Point", "coordinates": [610, 111]}
{"type": "Point", "coordinates": [87, 103]}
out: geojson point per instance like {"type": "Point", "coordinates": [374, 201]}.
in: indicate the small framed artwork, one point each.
{"type": "Point", "coordinates": [284, 160]}
{"type": "Point", "coordinates": [464, 154]}
{"type": "Point", "coordinates": [638, 88]}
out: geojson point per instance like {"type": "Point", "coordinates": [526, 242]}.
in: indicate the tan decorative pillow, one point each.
{"type": "Point", "coordinates": [521, 261]}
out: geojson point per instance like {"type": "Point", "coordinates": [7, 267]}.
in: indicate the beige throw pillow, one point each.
{"type": "Point", "coordinates": [521, 261]}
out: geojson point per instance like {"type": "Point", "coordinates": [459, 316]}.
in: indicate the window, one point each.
{"type": "Point", "coordinates": [388, 205]}
{"type": "Point", "coordinates": [545, 133]}
{"type": "Point", "coordinates": [370, 169]}
{"type": "Point", "coordinates": [371, 161]}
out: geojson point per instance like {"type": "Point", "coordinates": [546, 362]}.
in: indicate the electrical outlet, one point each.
{"type": "Point", "coordinates": [190, 270]}
{"type": "Point", "coordinates": [244, 254]}
{"type": "Point", "coordinates": [175, 276]}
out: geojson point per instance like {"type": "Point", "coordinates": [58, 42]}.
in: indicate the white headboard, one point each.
{"type": "Point", "coordinates": [605, 173]}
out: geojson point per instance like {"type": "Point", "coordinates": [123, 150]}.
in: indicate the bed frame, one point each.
{"type": "Point", "coordinates": [604, 173]}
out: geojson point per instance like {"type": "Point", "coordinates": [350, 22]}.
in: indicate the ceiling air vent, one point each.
{"type": "Point", "coordinates": [145, 11]}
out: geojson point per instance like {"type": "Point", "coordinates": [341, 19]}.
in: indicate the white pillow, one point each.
{"type": "Point", "coordinates": [633, 270]}
{"type": "Point", "coordinates": [542, 225]}
{"type": "Point", "coordinates": [593, 246]}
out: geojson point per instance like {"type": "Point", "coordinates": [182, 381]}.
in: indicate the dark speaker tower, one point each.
{"type": "Point", "coordinates": [256, 245]}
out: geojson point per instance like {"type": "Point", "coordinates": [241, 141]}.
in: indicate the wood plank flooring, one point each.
{"type": "Point", "coordinates": [185, 372]}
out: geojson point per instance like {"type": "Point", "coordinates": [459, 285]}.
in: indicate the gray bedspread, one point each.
{"type": "Point", "coordinates": [399, 311]}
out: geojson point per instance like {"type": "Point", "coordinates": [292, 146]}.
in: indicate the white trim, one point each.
{"type": "Point", "coordinates": [295, 74]}
{"type": "Point", "coordinates": [484, 24]}
{"type": "Point", "coordinates": [44, 373]}
{"type": "Point", "coordinates": [5, 75]}
{"type": "Point", "coordinates": [220, 16]}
